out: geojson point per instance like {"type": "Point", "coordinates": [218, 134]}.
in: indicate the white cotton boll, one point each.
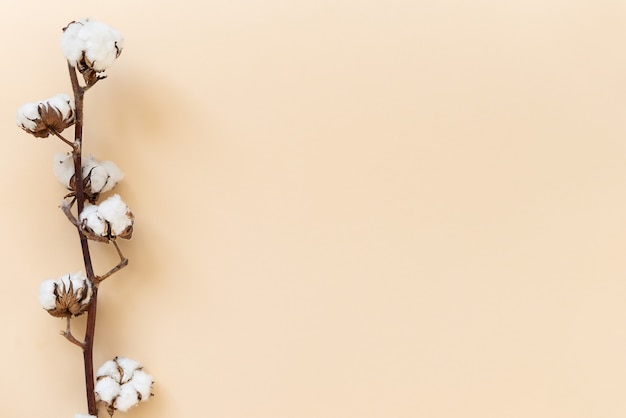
{"type": "Point", "coordinates": [64, 168]}
{"type": "Point", "coordinates": [127, 398]}
{"type": "Point", "coordinates": [98, 44]}
{"type": "Point", "coordinates": [115, 212]}
{"type": "Point", "coordinates": [111, 369]}
{"type": "Point", "coordinates": [67, 296]}
{"type": "Point", "coordinates": [26, 116]}
{"type": "Point", "coordinates": [91, 218]}
{"type": "Point", "coordinates": [142, 382]}
{"type": "Point", "coordinates": [128, 367]}
{"type": "Point", "coordinates": [106, 388]}
{"type": "Point", "coordinates": [48, 116]}
{"type": "Point", "coordinates": [104, 44]}
{"type": "Point", "coordinates": [47, 298]}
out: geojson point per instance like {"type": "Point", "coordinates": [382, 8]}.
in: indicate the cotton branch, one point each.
{"type": "Point", "coordinates": [89, 47]}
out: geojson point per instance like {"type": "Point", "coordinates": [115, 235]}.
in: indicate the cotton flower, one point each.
{"type": "Point", "coordinates": [91, 45]}
{"type": "Point", "coordinates": [69, 295]}
{"type": "Point", "coordinates": [98, 176]}
{"type": "Point", "coordinates": [110, 219]}
{"type": "Point", "coordinates": [42, 118]}
{"type": "Point", "coordinates": [122, 383]}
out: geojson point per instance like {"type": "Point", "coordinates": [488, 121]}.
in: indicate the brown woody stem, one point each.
{"type": "Point", "coordinates": [87, 346]}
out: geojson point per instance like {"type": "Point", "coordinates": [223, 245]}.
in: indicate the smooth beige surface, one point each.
{"type": "Point", "coordinates": [343, 208]}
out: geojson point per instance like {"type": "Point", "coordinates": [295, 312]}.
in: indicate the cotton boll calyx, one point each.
{"type": "Point", "coordinates": [122, 383]}
{"type": "Point", "coordinates": [91, 47]}
{"type": "Point", "coordinates": [48, 116]}
{"type": "Point", "coordinates": [69, 295]}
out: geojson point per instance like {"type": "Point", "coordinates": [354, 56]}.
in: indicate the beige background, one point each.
{"type": "Point", "coordinates": [344, 208]}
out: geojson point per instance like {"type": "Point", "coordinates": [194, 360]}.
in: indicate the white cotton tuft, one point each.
{"type": "Point", "coordinates": [127, 398]}
{"type": "Point", "coordinates": [75, 280]}
{"type": "Point", "coordinates": [47, 298]}
{"type": "Point", "coordinates": [91, 218]}
{"type": "Point", "coordinates": [111, 369]}
{"type": "Point", "coordinates": [84, 416]}
{"type": "Point", "coordinates": [142, 382]}
{"type": "Point", "coordinates": [115, 212]}
{"type": "Point", "coordinates": [63, 104]}
{"type": "Point", "coordinates": [102, 175]}
{"type": "Point", "coordinates": [115, 174]}
{"type": "Point", "coordinates": [26, 116]}
{"type": "Point", "coordinates": [107, 389]}
{"type": "Point", "coordinates": [128, 367]}
{"type": "Point", "coordinates": [91, 44]}
{"type": "Point", "coordinates": [64, 168]}
{"type": "Point", "coordinates": [71, 44]}
{"type": "Point", "coordinates": [97, 175]}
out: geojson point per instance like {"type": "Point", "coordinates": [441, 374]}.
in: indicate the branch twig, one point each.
{"type": "Point", "coordinates": [68, 334]}
{"type": "Point", "coordinates": [70, 143]}
{"type": "Point", "coordinates": [67, 210]}
{"type": "Point", "coordinates": [123, 263]}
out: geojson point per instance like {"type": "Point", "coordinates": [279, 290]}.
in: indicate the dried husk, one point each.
{"type": "Point", "coordinates": [70, 301]}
